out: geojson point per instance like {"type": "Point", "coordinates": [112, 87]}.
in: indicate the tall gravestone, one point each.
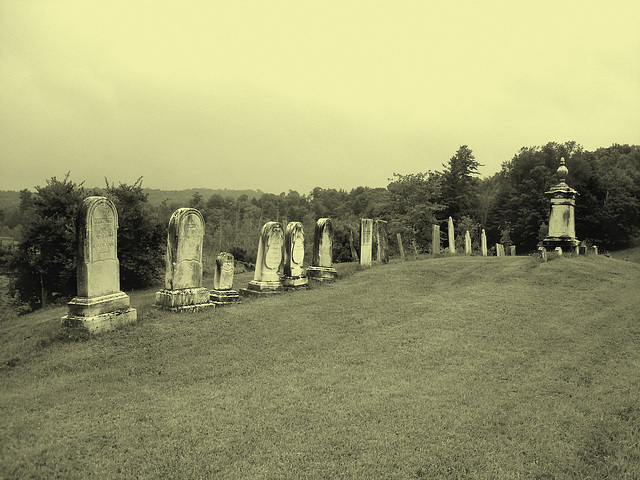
{"type": "Point", "coordinates": [382, 241]}
{"type": "Point", "coordinates": [399, 237]}
{"type": "Point", "coordinates": [266, 279]}
{"type": "Point", "coordinates": [435, 240]}
{"type": "Point", "coordinates": [294, 275]}
{"type": "Point", "coordinates": [483, 243]}
{"type": "Point", "coordinates": [366, 241]}
{"type": "Point", "coordinates": [223, 293]}
{"type": "Point", "coordinates": [183, 290]}
{"type": "Point", "coordinates": [322, 259]}
{"type": "Point", "coordinates": [452, 237]}
{"type": "Point", "coordinates": [467, 243]}
{"type": "Point", "coordinates": [99, 304]}
{"type": "Point", "coordinates": [562, 230]}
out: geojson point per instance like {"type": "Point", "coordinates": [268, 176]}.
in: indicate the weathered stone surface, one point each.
{"type": "Point", "coordinates": [543, 253]}
{"type": "Point", "coordinates": [294, 250]}
{"type": "Point", "coordinates": [366, 241]}
{"type": "Point", "coordinates": [452, 237]}
{"type": "Point", "coordinates": [435, 240]}
{"type": "Point", "coordinates": [99, 304]}
{"type": "Point", "coordinates": [382, 241]}
{"type": "Point", "coordinates": [269, 255]}
{"type": "Point", "coordinates": [321, 268]}
{"type": "Point", "coordinates": [467, 243]}
{"type": "Point", "coordinates": [224, 297]}
{"type": "Point", "coordinates": [594, 249]}
{"type": "Point", "coordinates": [512, 250]}
{"type": "Point", "coordinates": [184, 250]}
{"type": "Point", "coordinates": [562, 232]}
{"type": "Point", "coordinates": [558, 250]}
{"type": "Point", "coordinates": [400, 247]}
{"type": "Point", "coordinates": [223, 273]}
{"type": "Point", "coordinates": [183, 297]}
{"type": "Point", "coordinates": [483, 243]}
{"type": "Point", "coordinates": [499, 250]}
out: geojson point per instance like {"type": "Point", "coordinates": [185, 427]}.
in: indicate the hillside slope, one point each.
{"type": "Point", "coordinates": [436, 368]}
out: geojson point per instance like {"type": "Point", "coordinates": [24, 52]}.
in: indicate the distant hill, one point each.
{"type": "Point", "coordinates": [157, 196]}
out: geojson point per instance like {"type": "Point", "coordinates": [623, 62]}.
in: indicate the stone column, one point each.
{"type": "Point", "coordinates": [366, 234]}
{"type": "Point", "coordinates": [99, 305]}
{"type": "Point", "coordinates": [467, 243]}
{"type": "Point", "coordinates": [562, 232]}
{"type": "Point", "coordinates": [483, 243]}
{"type": "Point", "coordinates": [435, 240]}
{"type": "Point", "coordinates": [183, 288]}
{"type": "Point", "coordinates": [322, 261]}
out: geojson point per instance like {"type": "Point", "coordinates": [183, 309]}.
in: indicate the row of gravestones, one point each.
{"type": "Point", "coordinates": [436, 247]}
{"type": "Point", "coordinates": [100, 305]}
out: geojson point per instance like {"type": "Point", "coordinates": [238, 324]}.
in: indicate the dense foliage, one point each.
{"type": "Point", "coordinates": [511, 205]}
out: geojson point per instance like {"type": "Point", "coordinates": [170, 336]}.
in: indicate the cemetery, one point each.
{"type": "Point", "coordinates": [422, 365]}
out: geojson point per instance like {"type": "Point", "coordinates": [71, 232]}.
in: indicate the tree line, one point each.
{"type": "Point", "coordinates": [510, 205]}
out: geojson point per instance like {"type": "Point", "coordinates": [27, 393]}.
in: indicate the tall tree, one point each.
{"type": "Point", "coordinates": [459, 183]}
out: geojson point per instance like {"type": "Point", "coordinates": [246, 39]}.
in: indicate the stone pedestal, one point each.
{"type": "Point", "coordinates": [263, 287]}
{"type": "Point", "coordinates": [184, 299]}
{"type": "Point", "coordinates": [224, 297]}
{"type": "Point", "coordinates": [562, 232]}
{"type": "Point", "coordinates": [322, 273]}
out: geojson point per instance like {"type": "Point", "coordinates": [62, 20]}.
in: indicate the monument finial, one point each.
{"type": "Point", "coordinates": [563, 171]}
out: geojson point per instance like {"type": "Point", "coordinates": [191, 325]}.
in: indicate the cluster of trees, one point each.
{"type": "Point", "coordinates": [511, 206]}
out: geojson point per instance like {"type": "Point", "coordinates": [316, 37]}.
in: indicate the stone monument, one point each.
{"type": "Point", "coordinates": [499, 250]}
{"type": "Point", "coordinates": [452, 237]}
{"type": "Point", "coordinates": [399, 237]}
{"type": "Point", "coordinates": [99, 304]}
{"type": "Point", "coordinates": [223, 293]}
{"type": "Point", "coordinates": [183, 290]}
{"type": "Point", "coordinates": [483, 243]}
{"type": "Point", "coordinates": [294, 276]}
{"type": "Point", "coordinates": [322, 260]}
{"type": "Point", "coordinates": [366, 241]}
{"type": "Point", "coordinates": [382, 241]}
{"type": "Point", "coordinates": [435, 240]}
{"type": "Point", "coordinates": [266, 280]}
{"type": "Point", "coordinates": [467, 243]}
{"type": "Point", "coordinates": [562, 231]}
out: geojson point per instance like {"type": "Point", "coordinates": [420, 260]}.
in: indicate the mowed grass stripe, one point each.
{"type": "Point", "coordinates": [447, 367]}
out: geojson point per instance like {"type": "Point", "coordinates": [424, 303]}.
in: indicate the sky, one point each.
{"type": "Point", "coordinates": [289, 95]}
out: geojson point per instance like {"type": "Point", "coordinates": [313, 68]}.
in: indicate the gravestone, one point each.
{"type": "Point", "coordinates": [499, 250]}
{"type": "Point", "coordinates": [452, 237]}
{"type": "Point", "coordinates": [183, 290]}
{"type": "Point", "coordinates": [483, 243]}
{"type": "Point", "coordinates": [559, 251]}
{"type": "Point", "coordinates": [322, 260]}
{"type": "Point", "coordinates": [435, 240]}
{"type": "Point", "coordinates": [366, 241]}
{"type": "Point", "coordinates": [562, 231]}
{"type": "Point", "coordinates": [543, 253]}
{"type": "Point", "coordinates": [294, 276]}
{"type": "Point", "coordinates": [223, 293]}
{"type": "Point", "coordinates": [382, 241]}
{"type": "Point", "coordinates": [595, 250]}
{"type": "Point", "coordinates": [467, 243]}
{"type": "Point", "coordinates": [99, 304]}
{"type": "Point", "coordinates": [399, 237]}
{"type": "Point", "coordinates": [512, 250]}
{"type": "Point", "coordinates": [266, 280]}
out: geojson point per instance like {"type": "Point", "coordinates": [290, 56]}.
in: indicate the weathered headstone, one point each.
{"type": "Point", "coordinates": [483, 243]}
{"type": "Point", "coordinates": [467, 243]}
{"type": "Point", "coordinates": [512, 250]}
{"type": "Point", "coordinates": [452, 237]}
{"type": "Point", "coordinates": [183, 290]}
{"type": "Point", "coordinates": [595, 249]}
{"type": "Point", "coordinates": [223, 293]}
{"type": "Point", "coordinates": [366, 241]}
{"type": "Point", "coordinates": [499, 250]}
{"type": "Point", "coordinates": [382, 241]}
{"type": "Point", "coordinates": [266, 279]}
{"type": "Point", "coordinates": [399, 237]}
{"type": "Point", "coordinates": [435, 240]}
{"type": "Point", "coordinates": [294, 276]}
{"type": "Point", "coordinates": [543, 253]}
{"type": "Point", "coordinates": [99, 304]}
{"type": "Point", "coordinates": [322, 260]}
{"type": "Point", "coordinates": [559, 251]}
{"type": "Point", "coordinates": [562, 231]}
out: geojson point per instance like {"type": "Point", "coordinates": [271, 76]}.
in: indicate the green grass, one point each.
{"type": "Point", "coordinates": [436, 368]}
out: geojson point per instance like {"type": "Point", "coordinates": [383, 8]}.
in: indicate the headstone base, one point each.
{"type": "Point", "coordinates": [566, 243]}
{"type": "Point", "coordinates": [322, 273]}
{"type": "Point", "coordinates": [257, 287]}
{"type": "Point", "coordinates": [184, 299]}
{"type": "Point", "coordinates": [93, 306]}
{"type": "Point", "coordinates": [100, 323]}
{"type": "Point", "coordinates": [224, 297]}
{"type": "Point", "coordinates": [295, 282]}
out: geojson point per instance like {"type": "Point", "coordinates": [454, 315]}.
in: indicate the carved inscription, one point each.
{"type": "Point", "coordinates": [102, 234]}
{"type": "Point", "coordinates": [298, 248]}
{"type": "Point", "coordinates": [273, 255]}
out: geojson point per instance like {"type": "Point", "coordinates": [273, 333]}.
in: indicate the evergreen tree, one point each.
{"type": "Point", "coordinates": [459, 184]}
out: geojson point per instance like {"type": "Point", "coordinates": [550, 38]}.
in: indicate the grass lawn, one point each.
{"type": "Point", "coordinates": [459, 367]}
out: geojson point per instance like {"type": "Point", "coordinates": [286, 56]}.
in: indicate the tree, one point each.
{"type": "Point", "coordinates": [459, 184]}
{"type": "Point", "coordinates": [44, 266]}
{"type": "Point", "coordinates": [141, 238]}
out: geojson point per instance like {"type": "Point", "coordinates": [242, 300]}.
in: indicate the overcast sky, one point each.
{"type": "Point", "coordinates": [277, 95]}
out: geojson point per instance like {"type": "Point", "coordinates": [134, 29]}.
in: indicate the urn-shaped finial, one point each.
{"type": "Point", "coordinates": [563, 171]}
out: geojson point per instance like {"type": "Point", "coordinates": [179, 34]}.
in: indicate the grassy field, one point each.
{"type": "Point", "coordinates": [463, 367]}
